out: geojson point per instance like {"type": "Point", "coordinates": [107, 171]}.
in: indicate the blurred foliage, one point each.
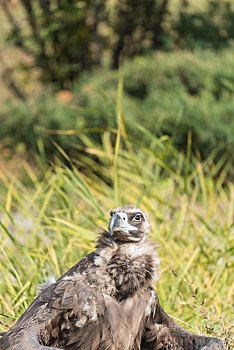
{"type": "Point", "coordinates": [167, 93]}
{"type": "Point", "coordinates": [210, 27]}
{"type": "Point", "coordinates": [64, 38]}
{"type": "Point", "coordinates": [55, 34]}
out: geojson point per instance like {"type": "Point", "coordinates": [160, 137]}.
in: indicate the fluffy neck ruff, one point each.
{"type": "Point", "coordinates": [132, 266]}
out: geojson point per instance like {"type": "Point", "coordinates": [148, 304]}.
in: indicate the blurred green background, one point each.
{"type": "Point", "coordinates": [59, 70]}
{"type": "Point", "coordinates": [105, 103]}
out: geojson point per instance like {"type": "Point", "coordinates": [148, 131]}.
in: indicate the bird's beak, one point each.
{"type": "Point", "coordinates": [119, 222]}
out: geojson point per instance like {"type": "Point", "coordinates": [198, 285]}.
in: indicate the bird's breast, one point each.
{"type": "Point", "coordinates": [130, 274]}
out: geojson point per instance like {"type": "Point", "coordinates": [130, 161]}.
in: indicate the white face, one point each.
{"type": "Point", "coordinates": [119, 222]}
{"type": "Point", "coordinates": [128, 223]}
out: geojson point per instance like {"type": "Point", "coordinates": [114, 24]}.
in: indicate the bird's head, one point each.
{"type": "Point", "coordinates": [129, 224]}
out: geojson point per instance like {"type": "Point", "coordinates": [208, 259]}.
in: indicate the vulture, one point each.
{"type": "Point", "coordinates": [106, 301]}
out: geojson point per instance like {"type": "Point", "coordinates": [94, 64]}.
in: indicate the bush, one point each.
{"type": "Point", "coordinates": [209, 24]}
{"type": "Point", "coordinates": [170, 94]}
{"type": "Point", "coordinates": [24, 123]}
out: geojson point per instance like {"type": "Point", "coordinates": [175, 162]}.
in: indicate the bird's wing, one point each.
{"type": "Point", "coordinates": [66, 312]}
{"type": "Point", "coordinates": [65, 315]}
{"type": "Point", "coordinates": [75, 311]}
{"type": "Point", "coordinates": [161, 332]}
{"type": "Point", "coordinates": [81, 266]}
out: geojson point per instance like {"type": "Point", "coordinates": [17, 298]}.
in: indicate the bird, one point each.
{"type": "Point", "coordinates": [106, 301]}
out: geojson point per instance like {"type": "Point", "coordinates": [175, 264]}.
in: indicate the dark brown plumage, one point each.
{"type": "Point", "coordinates": [106, 301]}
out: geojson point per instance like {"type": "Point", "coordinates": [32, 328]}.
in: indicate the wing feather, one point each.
{"type": "Point", "coordinates": [161, 332]}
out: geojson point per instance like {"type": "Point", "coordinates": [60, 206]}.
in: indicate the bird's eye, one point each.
{"type": "Point", "coordinates": [137, 217]}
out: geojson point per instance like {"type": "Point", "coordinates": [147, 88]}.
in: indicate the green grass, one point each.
{"type": "Point", "coordinates": [48, 224]}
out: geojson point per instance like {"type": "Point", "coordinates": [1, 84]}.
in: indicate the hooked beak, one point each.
{"type": "Point", "coordinates": [119, 222]}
